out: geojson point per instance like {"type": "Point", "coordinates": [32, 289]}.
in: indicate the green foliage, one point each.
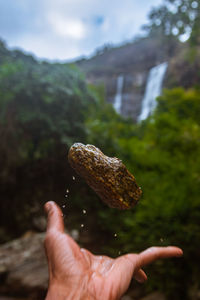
{"type": "Point", "coordinates": [163, 154]}
{"type": "Point", "coordinates": [176, 18]}
{"type": "Point", "coordinates": [43, 108]}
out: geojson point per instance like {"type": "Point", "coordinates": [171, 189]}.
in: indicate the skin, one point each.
{"type": "Point", "coordinates": [75, 273]}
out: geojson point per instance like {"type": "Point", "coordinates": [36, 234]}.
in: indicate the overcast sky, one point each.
{"type": "Point", "coordinates": [67, 29]}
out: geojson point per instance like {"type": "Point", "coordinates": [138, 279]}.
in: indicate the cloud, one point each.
{"type": "Point", "coordinates": [55, 52]}
{"type": "Point", "coordinates": [66, 27]}
{"type": "Point", "coordinates": [69, 28]}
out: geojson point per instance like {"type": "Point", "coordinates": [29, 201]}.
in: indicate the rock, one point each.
{"type": "Point", "coordinates": [123, 298]}
{"type": "Point", "coordinates": [107, 176]}
{"type": "Point", "coordinates": [39, 223]}
{"type": "Point", "coordinates": [23, 267]}
{"type": "Point", "coordinates": [194, 292]}
{"type": "Point", "coordinates": [154, 296]}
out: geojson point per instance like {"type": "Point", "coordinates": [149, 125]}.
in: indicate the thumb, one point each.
{"type": "Point", "coordinates": [54, 217]}
{"type": "Point", "coordinates": [122, 273]}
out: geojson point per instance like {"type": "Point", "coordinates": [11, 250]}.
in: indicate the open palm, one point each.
{"type": "Point", "coordinates": [78, 274]}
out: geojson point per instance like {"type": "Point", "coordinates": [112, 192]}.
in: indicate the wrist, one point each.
{"type": "Point", "coordinates": [61, 294]}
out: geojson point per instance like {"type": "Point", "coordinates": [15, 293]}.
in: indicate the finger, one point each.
{"type": "Point", "coordinates": [151, 254]}
{"type": "Point", "coordinates": [54, 217]}
{"type": "Point", "coordinates": [140, 276]}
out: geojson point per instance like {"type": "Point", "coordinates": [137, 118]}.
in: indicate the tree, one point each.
{"type": "Point", "coordinates": [163, 154]}
{"type": "Point", "coordinates": [43, 109]}
{"type": "Point", "coordinates": [178, 18]}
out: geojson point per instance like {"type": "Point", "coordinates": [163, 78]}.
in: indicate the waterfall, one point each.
{"type": "Point", "coordinates": [118, 97]}
{"type": "Point", "coordinates": [153, 90]}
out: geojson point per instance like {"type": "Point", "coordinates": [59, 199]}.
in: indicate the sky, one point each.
{"type": "Point", "coordinates": [68, 29]}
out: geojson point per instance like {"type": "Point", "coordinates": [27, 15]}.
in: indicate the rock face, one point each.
{"type": "Point", "coordinates": [132, 61]}
{"type": "Point", "coordinates": [182, 70]}
{"type": "Point", "coordinates": [23, 267]}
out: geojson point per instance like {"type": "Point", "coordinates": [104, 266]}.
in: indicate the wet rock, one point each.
{"type": "Point", "coordinates": [107, 176]}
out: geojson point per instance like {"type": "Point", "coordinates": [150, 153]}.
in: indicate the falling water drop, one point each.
{"type": "Point", "coordinates": [66, 196]}
{"type": "Point", "coordinates": [73, 177]}
{"type": "Point", "coordinates": [84, 211]}
{"type": "Point", "coordinates": [115, 235]}
{"type": "Point", "coordinates": [82, 225]}
{"type": "Point", "coordinates": [64, 206]}
{"type": "Point", "coordinates": [119, 252]}
{"type": "Point", "coordinates": [67, 191]}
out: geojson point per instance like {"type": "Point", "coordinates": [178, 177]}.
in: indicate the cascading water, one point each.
{"type": "Point", "coordinates": [118, 97]}
{"type": "Point", "coordinates": [153, 90]}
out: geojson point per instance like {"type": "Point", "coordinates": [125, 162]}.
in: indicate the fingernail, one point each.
{"type": "Point", "coordinates": [180, 252]}
{"type": "Point", "coordinates": [48, 206]}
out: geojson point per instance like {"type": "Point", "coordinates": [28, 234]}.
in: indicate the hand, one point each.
{"type": "Point", "coordinates": [76, 273]}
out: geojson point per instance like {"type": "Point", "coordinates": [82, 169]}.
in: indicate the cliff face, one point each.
{"type": "Point", "coordinates": [184, 68]}
{"type": "Point", "coordinates": [133, 61]}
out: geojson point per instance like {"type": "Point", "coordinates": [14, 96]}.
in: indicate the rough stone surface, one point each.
{"type": "Point", "coordinates": [23, 267]}
{"type": "Point", "coordinates": [107, 176]}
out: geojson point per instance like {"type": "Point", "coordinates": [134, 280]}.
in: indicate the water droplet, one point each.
{"type": "Point", "coordinates": [64, 206]}
{"type": "Point", "coordinates": [67, 191]}
{"type": "Point", "coordinates": [119, 252]}
{"type": "Point", "coordinates": [115, 235]}
{"type": "Point", "coordinates": [73, 177]}
{"type": "Point", "coordinates": [66, 196]}
{"type": "Point", "coordinates": [84, 211]}
{"type": "Point", "coordinates": [82, 225]}
{"type": "Point", "coordinates": [161, 239]}
{"type": "Point", "coordinates": [75, 234]}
